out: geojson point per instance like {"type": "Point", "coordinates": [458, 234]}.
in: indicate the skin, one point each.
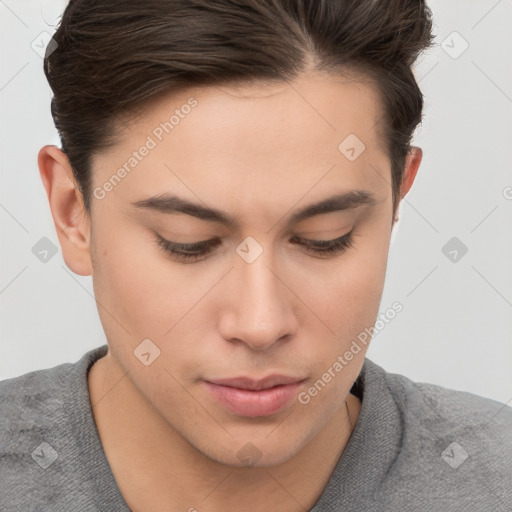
{"type": "Point", "coordinates": [258, 153]}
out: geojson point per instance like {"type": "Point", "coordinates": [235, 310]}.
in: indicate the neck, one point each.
{"type": "Point", "coordinates": [155, 467]}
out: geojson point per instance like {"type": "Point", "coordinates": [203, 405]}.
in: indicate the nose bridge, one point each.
{"type": "Point", "coordinates": [259, 311]}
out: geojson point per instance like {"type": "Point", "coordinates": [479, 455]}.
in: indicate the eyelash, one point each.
{"type": "Point", "coordinates": [319, 247]}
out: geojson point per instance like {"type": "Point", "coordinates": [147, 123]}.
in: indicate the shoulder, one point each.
{"type": "Point", "coordinates": [458, 445]}
{"type": "Point", "coordinates": [32, 414]}
{"type": "Point", "coordinates": [35, 397]}
{"type": "Point", "coordinates": [43, 424]}
{"type": "Point", "coordinates": [31, 397]}
{"type": "Point", "coordinates": [41, 399]}
{"type": "Point", "coordinates": [448, 410]}
{"type": "Point", "coordinates": [34, 407]}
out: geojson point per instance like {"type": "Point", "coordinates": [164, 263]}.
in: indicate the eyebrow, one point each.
{"type": "Point", "coordinates": [171, 204]}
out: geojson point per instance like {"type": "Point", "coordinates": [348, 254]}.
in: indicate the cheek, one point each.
{"type": "Point", "coordinates": [345, 300]}
{"type": "Point", "coordinates": [346, 293]}
{"type": "Point", "coordinates": [137, 287]}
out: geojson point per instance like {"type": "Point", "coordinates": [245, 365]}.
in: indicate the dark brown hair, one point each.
{"type": "Point", "coordinates": [113, 56]}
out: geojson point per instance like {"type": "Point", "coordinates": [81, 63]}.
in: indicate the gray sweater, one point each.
{"type": "Point", "coordinates": [415, 447]}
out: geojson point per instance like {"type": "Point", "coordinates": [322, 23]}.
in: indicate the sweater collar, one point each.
{"type": "Point", "coordinates": [372, 448]}
{"type": "Point", "coordinates": [370, 451]}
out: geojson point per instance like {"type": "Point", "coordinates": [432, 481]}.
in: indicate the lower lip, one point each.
{"type": "Point", "coordinates": [254, 403]}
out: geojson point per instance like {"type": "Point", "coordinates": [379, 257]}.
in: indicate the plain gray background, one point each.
{"type": "Point", "coordinates": [456, 325]}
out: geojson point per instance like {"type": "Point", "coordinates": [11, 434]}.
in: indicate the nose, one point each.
{"type": "Point", "coordinates": [259, 308]}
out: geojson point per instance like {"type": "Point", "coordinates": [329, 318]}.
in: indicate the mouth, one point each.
{"type": "Point", "coordinates": [254, 398]}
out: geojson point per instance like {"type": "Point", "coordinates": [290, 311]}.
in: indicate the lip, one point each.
{"type": "Point", "coordinates": [256, 384]}
{"type": "Point", "coordinates": [252, 398]}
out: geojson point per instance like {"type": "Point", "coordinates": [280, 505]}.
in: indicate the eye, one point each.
{"type": "Point", "coordinates": [327, 247]}
{"type": "Point", "coordinates": [199, 250]}
{"type": "Point", "coordinates": [188, 252]}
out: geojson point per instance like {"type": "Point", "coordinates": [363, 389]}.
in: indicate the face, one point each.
{"type": "Point", "coordinates": [237, 283]}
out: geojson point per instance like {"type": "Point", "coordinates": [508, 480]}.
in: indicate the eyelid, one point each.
{"type": "Point", "coordinates": [320, 248]}
{"type": "Point", "coordinates": [320, 231]}
{"type": "Point", "coordinates": [207, 243]}
{"type": "Point", "coordinates": [320, 242]}
{"type": "Point", "coordinates": [346, 231]}
{"type": "Point", "coordinates": [190, 246]}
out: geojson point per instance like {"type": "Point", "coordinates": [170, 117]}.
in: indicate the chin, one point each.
{"type": "Point", "coordinates": [252, 452]}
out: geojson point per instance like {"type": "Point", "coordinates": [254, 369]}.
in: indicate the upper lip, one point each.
{"type": "Point", "coordinates": [256, 384]}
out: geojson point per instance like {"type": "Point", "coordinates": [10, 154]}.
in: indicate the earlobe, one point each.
{"type": "Point", "coordinates": [71, 221]}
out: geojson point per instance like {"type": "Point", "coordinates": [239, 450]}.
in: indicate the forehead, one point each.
{"type": "Point", "coordinates": [242, 138]}
{"type": "Point", "coordinates": [326, 102]}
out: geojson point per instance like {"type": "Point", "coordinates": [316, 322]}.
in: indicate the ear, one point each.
{"type": "Point", "coordinates": [412, 164]}
{"type": "Point", "coordinates": [66, 203]}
